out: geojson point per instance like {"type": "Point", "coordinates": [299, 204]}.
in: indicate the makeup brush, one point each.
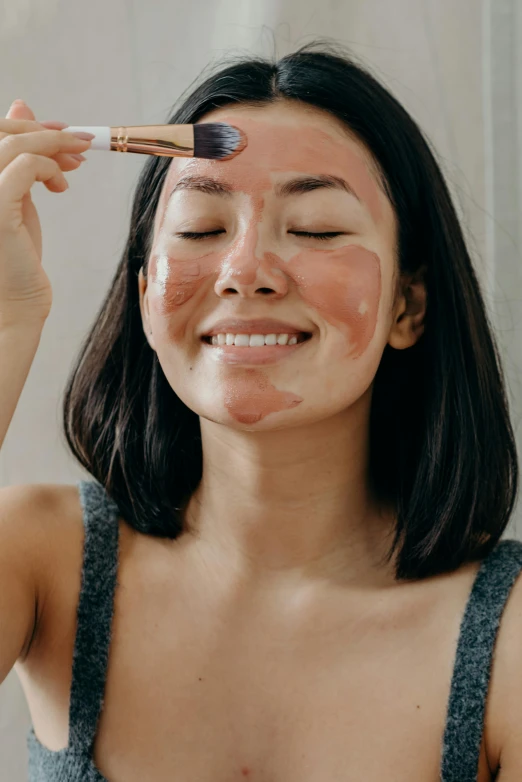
{"type": "Point", "coordinates": [214, 140]}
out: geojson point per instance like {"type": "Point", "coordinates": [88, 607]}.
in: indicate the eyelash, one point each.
{"type": "Point", "coordinates": [325, 235]}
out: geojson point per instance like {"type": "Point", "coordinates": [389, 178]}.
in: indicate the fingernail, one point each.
{"type": "Point", "coordinates": [16, 102]}
{"type": "Point", "coordinates": [78, 157]}
{"type": "Point", "coordinates": [53, 125]}
{"type": "Point", "coordinates": [84, 136]}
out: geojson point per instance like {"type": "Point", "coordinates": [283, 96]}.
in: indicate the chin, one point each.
{"type": "Point", "coordinates": [270, 422]}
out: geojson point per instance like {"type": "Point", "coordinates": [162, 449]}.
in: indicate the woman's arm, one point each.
{"type": "Point", "coordinates": [18, 346]}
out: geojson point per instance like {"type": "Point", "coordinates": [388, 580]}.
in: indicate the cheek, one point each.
{"type": "Point", "coordinates": [174, 281]}
{"type": "Point", "coordinates": [344, 286]}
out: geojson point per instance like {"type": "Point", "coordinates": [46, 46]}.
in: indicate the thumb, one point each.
{"type": "Point", "coordinates": [20, 110]}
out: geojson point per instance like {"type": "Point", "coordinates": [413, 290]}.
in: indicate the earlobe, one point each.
{"type": "Point", "coordinates": [410, 312]}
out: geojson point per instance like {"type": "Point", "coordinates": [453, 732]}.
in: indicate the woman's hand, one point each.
{"type": "Point", "coordinates": [29, 153]}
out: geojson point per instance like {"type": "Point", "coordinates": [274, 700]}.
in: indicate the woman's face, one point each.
{"type": "Point", "coordinates": [256, 261]}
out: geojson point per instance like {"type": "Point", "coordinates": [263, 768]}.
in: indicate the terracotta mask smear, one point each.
{"type": "Point", "coordinates": [343, 285]}
{"type": "Point", "coordinates": [251, 397]}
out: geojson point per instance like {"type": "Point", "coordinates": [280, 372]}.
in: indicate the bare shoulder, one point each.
{"type": "Point", "coordinates": [41, 498]}
{"type": "Point", "coordinates": [41, 527]}
{"type": "Point", "coordinates": [42, 516]}
{"type": "Point", "coordinates": [503, 718]}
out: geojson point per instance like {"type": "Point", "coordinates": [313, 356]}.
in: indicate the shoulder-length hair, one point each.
{"type": "Point", "coordinates": [442, 448]}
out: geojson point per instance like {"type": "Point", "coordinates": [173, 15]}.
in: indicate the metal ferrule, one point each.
{"type": "Point", "coordinates": [166, 140]}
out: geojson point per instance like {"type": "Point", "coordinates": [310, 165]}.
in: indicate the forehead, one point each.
{"type": "Point", "coordinates": [284, 138]}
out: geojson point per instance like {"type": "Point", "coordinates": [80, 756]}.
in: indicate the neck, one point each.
{"type": "Point", "coordinates": [292, 503]}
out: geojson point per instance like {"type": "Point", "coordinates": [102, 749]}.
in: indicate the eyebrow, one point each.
{"type": "Point", "coordinates": [295, 186]}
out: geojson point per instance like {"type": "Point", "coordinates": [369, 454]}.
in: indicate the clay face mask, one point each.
{"type": "Point", "coordinates": [337, 281]}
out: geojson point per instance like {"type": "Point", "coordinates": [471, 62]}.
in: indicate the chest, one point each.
{"type": "Point", "coordinates": [220, 691]}
{"type": "Point", "coordinates": [272, 711]}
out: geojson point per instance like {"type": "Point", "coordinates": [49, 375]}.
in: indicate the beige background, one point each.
{"type": "Point", "coordinates": [453, 64]}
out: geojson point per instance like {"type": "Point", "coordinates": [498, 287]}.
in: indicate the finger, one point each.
{"type": "Point", "coordinates": [22, 121]}
{"type": "Point", "coordinates": [66, 161]}
{"type": "Point", "coordinates": [53, 124]}
{"type": "Point", "coordinates": [17, 179]}
{"type": "Point", "coordinates": [20, 110]}
{"type": "Point", "coordinates": [46, 142]}
{"type": "Point", "coordinates": [21, 125]}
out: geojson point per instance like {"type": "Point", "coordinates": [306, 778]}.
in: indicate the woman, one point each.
{"type": "Point", "coordinates": [277, 550]}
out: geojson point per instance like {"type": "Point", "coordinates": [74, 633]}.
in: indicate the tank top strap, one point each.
{"type": "Point", "coordinates": [94, 614]}
{"type": "Point", "coordinates": [472, 670]}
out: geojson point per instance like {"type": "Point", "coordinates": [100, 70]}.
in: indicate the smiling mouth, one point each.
{"type": "Point", "coordinates": [229, 340]}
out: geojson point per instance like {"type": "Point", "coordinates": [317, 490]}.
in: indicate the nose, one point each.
{"type": "Point", "coordinates": [248, 271]}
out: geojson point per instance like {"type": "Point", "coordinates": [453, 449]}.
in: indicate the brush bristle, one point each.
{"type": "Point", "coordinates": [217, 140]}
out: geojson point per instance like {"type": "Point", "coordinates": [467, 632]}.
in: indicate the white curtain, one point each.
{"type": "Point", "coordinates": [502, 80]}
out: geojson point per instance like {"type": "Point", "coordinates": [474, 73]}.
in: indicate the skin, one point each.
{"type": "Point", "coordinates": [285, 445]}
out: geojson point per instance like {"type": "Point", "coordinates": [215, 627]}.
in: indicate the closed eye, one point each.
{"type": "Point", "coordinates": [194, 235]}
{"type": "Point", "coordinates": [323, 235]}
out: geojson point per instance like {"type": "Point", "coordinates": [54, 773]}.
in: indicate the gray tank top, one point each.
{"type": "Point", "coordinates": [471, 674]}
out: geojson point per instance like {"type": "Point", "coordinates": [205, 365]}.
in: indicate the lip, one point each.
{"type": "Point", "coordinates": [256, 326]}
{"type": "Point", "coordinates": [268, 354]}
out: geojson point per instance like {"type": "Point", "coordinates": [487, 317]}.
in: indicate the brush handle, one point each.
{"type": "Point", "coordinates": [166, 140]}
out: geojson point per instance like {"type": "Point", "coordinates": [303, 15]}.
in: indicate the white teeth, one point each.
{"type": "Point", "coordinates": [253, 340]}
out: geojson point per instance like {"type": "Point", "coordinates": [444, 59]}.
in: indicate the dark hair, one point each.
{"type": "Point", "coordinates": [442, 449]}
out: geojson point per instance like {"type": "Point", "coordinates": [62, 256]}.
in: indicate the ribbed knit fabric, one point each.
{"type": "Point", "coordinates": [472, 668]}
{"type": "Point", "coordinates": [469, 687]}
{"type": "Point", "coordinates": [91, 648]}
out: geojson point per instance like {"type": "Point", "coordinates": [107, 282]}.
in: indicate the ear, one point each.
{"type": "Point", "coordinates": [144, 308]}
{"type": "Point", "coordinates": [409, 311]}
